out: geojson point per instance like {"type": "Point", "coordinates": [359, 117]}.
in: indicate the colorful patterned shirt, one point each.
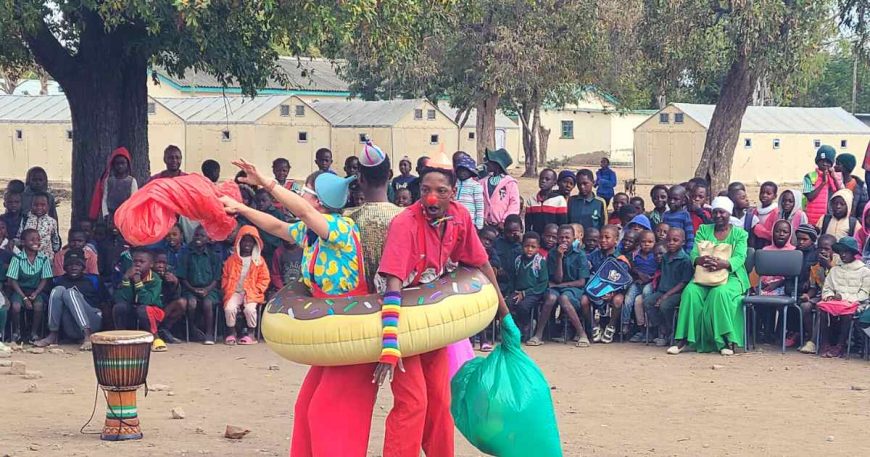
{"type": "Point", "coordinates": [336, 269]}
{"type": "Point", "coordinates": [46, 226]}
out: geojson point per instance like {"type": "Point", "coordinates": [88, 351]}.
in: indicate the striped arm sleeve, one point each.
{"type": "Point", "coordinates": [390, 318]}
{"type": "Point", "coordinates": [14, 268]}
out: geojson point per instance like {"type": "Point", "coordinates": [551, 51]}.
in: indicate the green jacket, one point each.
{"type": "Point", "coordinates": [146, 292]}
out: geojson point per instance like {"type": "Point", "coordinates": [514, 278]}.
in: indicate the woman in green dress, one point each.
{"type": "Point", "coordinates": [711, 318]}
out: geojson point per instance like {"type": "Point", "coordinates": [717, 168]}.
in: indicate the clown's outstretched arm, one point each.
{"type": "Point", "coordinates": [390, 353]}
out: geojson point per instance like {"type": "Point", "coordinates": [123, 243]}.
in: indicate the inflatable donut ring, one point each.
{"type": "Point", "coordinates": [347, 331]}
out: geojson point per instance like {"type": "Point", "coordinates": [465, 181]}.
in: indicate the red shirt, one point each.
{"type": "Point", "coordinates": [407, 257]}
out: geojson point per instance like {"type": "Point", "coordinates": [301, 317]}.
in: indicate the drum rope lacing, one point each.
{"type": "Point", "coordinates": [94, 410]}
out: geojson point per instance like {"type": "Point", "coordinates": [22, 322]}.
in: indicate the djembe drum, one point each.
{"type": "Point", "coordinates": [121, 363]}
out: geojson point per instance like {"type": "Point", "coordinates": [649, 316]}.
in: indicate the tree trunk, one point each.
{"type": "Point", "coordinates": [724, 129]}
{"type": "Point", "coordinates": [543, 137]}
{"type": "Point", "coordinates": [486, 124]}
{"type": "Point", "coordinates": [43, 81]}
{"type": "Point", "coordinates": [525, 112]}
{"type": "Point", "coordinates": [10, 82]}
{"type": "Point", "coordinates": [106, 88]}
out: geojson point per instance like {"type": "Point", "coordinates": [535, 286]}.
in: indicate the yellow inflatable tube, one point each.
{"type": "Point", "coordinates": [347, 331]}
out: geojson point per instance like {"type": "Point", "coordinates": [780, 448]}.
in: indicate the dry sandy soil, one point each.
{"type": "Point", "coordinates": [616, 400]}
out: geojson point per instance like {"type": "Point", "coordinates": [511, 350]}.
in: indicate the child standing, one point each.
{"type": "Point", "coordinates": [501, 194]}
{"type": "Point", "coordinates": [199, 271]}
{"type": "Point", "coordinates": [678, 217]}
{"type": "Point", "coordinates": [700, 205]}
{"type": "Point", "coordinates": [767, 197]}
{"type": "Point", "coordinates": [677, 271]}
{"type": "Point", "coordinates": [12, 216]}
{"type": "Point", "coordinates": [77, 241]}
{"type": "Point", "coordinates": [788, 210]}
{"type": "Point", "coordinates": [743, 216]}
{"type": "Point", "coordinates": [659, 196]}
{"type": "Point", "coordinates": [820, 184]}
{"type": "Point", "coordinates": [28, 275]}
{"type": "Point", "coordinates": [37, 183]}
{"type": "Point", "coordinates": [509, 246]}
{"type": "Point", "coordinates": [38, 219]}
{"type": "Point", "coordinates": [605, 181]}
{"type": "Point", "coordinates": [620, 200]}
{"type": "Point", "coordinates": [585, 208]}
{"type": "Point", "coordinates": [569, 271]}
{"type": "Point", "coordinates": [566, 181]}
{"type": "Point", "coordinates": [286, 266]}
{"type": "Point", "coordinates": [661, 232]}
{"type": "Point", "coordinates": [548, 207]}
{"type": "Point", "coordinates": [264, 203]}
{"type": "Point", "coordinates": [469, 192]}
{"type": "Point", "coordinates": [846, 286]}
{"type": "Point", "coordinates": [844, 165]}
{"type": "Point", "coordinates": [245, 280]}
{"type": "Point", "coordinates": [137, 299]}
{"type": "Point", "coordinates": [211, 169]}
{"type": "Point", "coordinates": [403, 180]}
{"type": "Point", "coordinates": [530, 281]}
{"type": "Point", "coordinates": [114, 187]}
{"type": "Point", "coordinates": [643, 269]}
{"type": "Point", "coordinates": [839, 223]}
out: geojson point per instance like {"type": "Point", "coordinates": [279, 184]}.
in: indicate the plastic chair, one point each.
{"type": "Point", "coordinates": [777, 263]}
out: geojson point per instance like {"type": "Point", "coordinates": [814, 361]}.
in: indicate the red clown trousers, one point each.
{"type": "Point", "coordinates": [420, 417]}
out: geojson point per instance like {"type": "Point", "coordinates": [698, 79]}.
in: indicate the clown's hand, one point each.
{"type": "Point", "coordinates": [386, 371]}
{"type": "Point", "coordinates": [231, 205]}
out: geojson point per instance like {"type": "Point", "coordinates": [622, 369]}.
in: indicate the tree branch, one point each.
{"type": "Point", "coordinates": [49, 53]}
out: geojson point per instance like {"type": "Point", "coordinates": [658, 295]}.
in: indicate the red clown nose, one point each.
{"type": "Point", "coordinates": [431, 199]}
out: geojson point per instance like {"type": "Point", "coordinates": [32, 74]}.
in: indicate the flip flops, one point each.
{"type": "Point", "coordinates": [583, 342]}
{"type": "Point", "coordinates": [247, 340]}
{"type": "Point", "coordinates": [534, 341]}
{"type": "Point", "coordinates": [158, 345]}
{"type": "Point", "coordinates": [230, 340]}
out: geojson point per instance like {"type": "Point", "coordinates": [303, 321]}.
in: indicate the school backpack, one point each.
{"type": "Point", "coordinates": [827, 220]}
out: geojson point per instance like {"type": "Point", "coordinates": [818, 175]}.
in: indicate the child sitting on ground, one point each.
{"type": "Point", "coordinates": [839, 222]}
{"type": "Point", "coordinates": [643, 269]}
{"type": "Point", "coordinates": [676, 272]}
{"type": "Point", "coordinates": [37, 183]}
{"type": "Point", "coordinates": [28, 276]}
{"type": "Point", "coordinates": [38, 219]}
{"type": "Point", "coordinates": [846, 287]}
{"type": "Point", "coordinates": [820, 265]}
{"type": "Point", "coordinates": [404, 198]}
{"type": "Point", "coordinates": [245, 280]}
{"type": "Point", "coordinates": [659, 196]}
{"type": "Point", "coordinates": [661, 232]}
{"type": "Point", "coordinates": [137, 299]}
{"type": "Point", "coordinates": [678, 217]}
{"type": "Point", "coordinates": [569, 270]}
{"type": "Point", "coordinates": [530, 282]}
{"type": "Point", "coordinates": [607, 249]}
{"type": "Point", "coordinates": [199, 271]}
{"type": "Point", "coordinates": [170, 295]}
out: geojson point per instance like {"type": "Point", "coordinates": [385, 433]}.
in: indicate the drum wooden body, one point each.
{"type": "Point", "coordinates": [121, 360]}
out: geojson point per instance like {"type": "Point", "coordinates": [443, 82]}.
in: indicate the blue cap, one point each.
{"type": "Point", "coordinates": [467, 163]}
{"type": "Point", "coordinates": [332, 190]}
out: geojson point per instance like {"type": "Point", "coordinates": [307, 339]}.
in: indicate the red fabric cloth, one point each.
{"type": "Point", "coordinates": [155, 316]}
{"type": "Point", "coordinates": [838, 307]}
{"type": "Point", "coordinates": [97, 198]}
{"type": "Point", "coordinates": [147, 216]}
{"type": "Point", "coordinates": [402, 250]}
{"type": "Point", "coordinates": [333, 412]}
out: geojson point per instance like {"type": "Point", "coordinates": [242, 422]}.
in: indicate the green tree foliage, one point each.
{"type": "Point", "coordinates": [99, 52]}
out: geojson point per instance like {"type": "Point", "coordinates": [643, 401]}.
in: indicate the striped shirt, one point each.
{"type": "Point", "coordinates": [543, 210]}
{"type": "Point", "coordinates": [29, 274]}
{"type": "Point", "coordinates": [469, 193]}
{"type": "Point", "coordinates": [681, 219]}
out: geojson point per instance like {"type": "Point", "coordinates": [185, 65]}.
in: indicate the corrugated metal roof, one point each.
{"type": "Point", "coordinates": [780, 119]}
{"type": "Point", "coordinates": [353, 113]}
{"type": "Point", "coordinates": [25, 108]}
{"type": "Point", "coordinates": [220, 110]}
{"type": "Point", "coordinates": [501, 121]}
{"type": "Point", "coordinates": [303, 74]}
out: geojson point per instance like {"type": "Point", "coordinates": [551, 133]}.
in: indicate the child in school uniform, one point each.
{"type": "Point", "coordinates": [659, 197]}
{"type": "Point", "coordinates": [591, 238]}
{"type": "Point", "coordinates": [245, 280]}
{"type": "Point", "coordinates": [199, 271]}
{"type": "Point", "coordinates": [38, 219]}
{"type": "Point", "coordinates": [661, 232]}
{"type": "Point", "coordinates": [137, 298]}
{"type": "Point", "coordinates": [819, 265]}
{"type": "Point", "coordinates": [643, 269]}
{"type": "Point", "coordinates": [676, 272]}
{"type": "Point", "coordinates": [569, 270]}
{"type": "Point", "coordinates": [28, 276]}
{"type": "Point", "coordinates": [174, 305]}
{"type": "Point", "coordinates": [607, 249]}
{"type": "Point", "coordinates": [13, 214]}
{"type": "Point", "coordinates": [549, 239]}
{"type": "Point", "coordinates": [530, 282]}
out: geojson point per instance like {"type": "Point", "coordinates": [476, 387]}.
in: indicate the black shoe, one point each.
{"type": "Point", "coordinates": [167, 336]}
{"type": "Point", "coordinates": [197, 335]}
{"type": "Point", "coordinates": [16, 338]}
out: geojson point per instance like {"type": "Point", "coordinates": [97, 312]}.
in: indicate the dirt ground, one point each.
{"type": "Point", "coordinates": [616, 400]}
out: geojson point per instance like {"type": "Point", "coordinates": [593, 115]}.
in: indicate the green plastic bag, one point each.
{"type": "Point", "coordinates": [502, 403]}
